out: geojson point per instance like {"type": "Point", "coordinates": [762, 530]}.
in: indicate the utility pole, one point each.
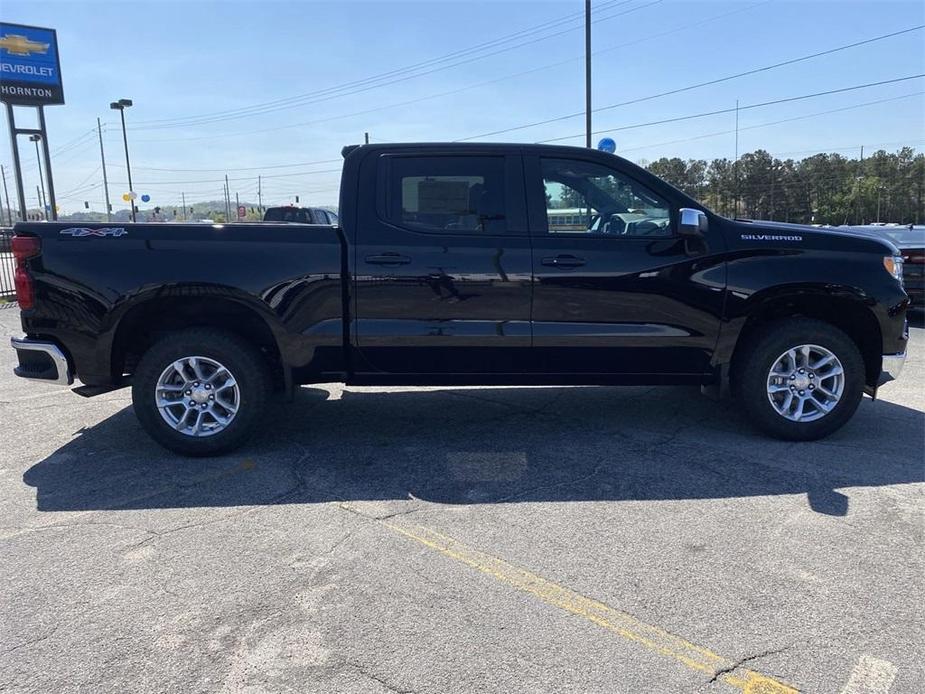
{"type": "Point", "coordinates": [6, 194]}
{"type": "Point", "coordinates": [259, 195]}
{"type": "Point", "coordinates": [860, 178]}
{"type": "Point", "coordinates": [735, 169]}
{"type": "Point", "coordinates": [7, 200]}
{"type": "Point", "coordinates": [38, 160]}
{"type": "Point", "coordinates": [588, 73]}
{"type": "Point", "coordinates": [366, 138]}
{"type": "Point", "coordinates": [237, 204]}
{"type": "Point", "coordinates": [38, 196]}
{"type": "Point", "coordinates": [771, 215]}
{"type": "Point", "coordinates": [183, 198]}
{"type": "Point", "coordinates": [920, 213]}
{"type": "Point", "coordinates": [227, 200]}
{"type": "Point", "coordinates": [99, 131]}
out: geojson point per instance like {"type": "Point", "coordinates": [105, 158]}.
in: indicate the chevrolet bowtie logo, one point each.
{"type": "Point", "coordinates": [20, 45]}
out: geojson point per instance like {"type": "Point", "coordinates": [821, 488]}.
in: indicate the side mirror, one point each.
{"type": "Point", "coordinates": [692, 222]}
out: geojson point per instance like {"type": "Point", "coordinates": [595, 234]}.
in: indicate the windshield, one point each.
{"type": "Point", "coordinates": [901, 235]}
{"type": "Point", "coordinates": [905, 236]}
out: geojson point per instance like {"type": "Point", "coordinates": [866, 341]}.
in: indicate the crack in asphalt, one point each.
{"type": "Point", "coordinates": [555, 485]}
{"type": "Point", "coordinates": [337, 544]}
{"type": "Point", "coordinates": [395, 514]}
{"type": "Point", "coordinates": [157, 534]}
{"type": "Point", "coordinates": [377, 678]}
{"type": "Point", "coordinates": [741, 661]}
{"type": "Point", "coordinates": [31, 642]}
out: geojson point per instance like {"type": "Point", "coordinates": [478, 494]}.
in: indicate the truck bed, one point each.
{"type": "Point", "coordinates": [94, 282]}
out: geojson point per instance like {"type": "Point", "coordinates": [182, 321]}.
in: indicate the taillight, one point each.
{"type": "Point", "coordinates": [25, 247]}
{"type": "Point", "coordinates": [25, 291]}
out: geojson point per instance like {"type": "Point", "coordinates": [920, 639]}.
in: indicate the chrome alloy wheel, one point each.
{"type": "Point", "coordinates": [197, 396]}
{"type": "Point", "coordinates": [805, 383]}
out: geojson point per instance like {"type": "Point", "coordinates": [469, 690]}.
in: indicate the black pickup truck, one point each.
{"type": "Point", "coordinates": [464, 264]}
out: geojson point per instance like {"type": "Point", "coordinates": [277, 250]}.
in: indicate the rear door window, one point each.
{"type": "Point", "coordinates": [446, 194]}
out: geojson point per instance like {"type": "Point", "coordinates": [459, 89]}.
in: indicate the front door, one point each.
{"type": "Point", "coordinates": [443, 266]}
{"type": "Point", "coordinates": [617, 290]}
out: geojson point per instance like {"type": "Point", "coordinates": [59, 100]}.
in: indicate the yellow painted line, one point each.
{"type": "Point", "coordinates": [620, 623]}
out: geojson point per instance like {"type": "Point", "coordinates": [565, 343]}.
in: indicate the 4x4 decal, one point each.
{"type": "Point", "coordinates": [84, 231]}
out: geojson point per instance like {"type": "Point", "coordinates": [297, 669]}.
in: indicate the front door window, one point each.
{"type": "Point", "coordinates": [590, 199]}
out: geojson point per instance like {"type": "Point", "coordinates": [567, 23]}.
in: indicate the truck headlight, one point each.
{"type": "Point", "coordinates": [894, 265]}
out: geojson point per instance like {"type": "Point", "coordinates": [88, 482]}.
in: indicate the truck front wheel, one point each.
{"type": "Point", "coordinates": [200, 391]}
{"type": "Point", "coordinates": [800, 379]}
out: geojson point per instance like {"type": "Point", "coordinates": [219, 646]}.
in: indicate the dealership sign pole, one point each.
{"type": "Point", "coordinates": [30, 75]}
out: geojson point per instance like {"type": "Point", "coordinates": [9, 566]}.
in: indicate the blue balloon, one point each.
{"type": "Point", "coordinates": [607, 145]}
{"type": "Point", "coordinates": [147, 198]}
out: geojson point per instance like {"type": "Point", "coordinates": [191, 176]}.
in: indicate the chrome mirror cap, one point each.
{"type": "Point", "coordinates": [692, 222]}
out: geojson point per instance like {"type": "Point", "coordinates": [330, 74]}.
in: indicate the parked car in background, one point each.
{"type": "Point", "coordinates": [300, 215]}
{"type": "Point", "coordinates": [910, 240]}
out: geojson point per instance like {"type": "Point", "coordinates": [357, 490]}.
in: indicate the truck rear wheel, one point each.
{"type": "Point", "coordinates": [800, 379]}
{"type": "Point", "coordinates": [201, 391]}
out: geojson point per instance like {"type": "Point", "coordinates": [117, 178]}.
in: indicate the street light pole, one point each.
{"type": "Point", "coordinates": [120, 106]}
{"type": "Point", "coordinates": [38, 160]}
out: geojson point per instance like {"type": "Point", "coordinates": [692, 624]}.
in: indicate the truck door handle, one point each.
{"type": "Point", "coordinates": [563, 261]}
{"type": "Point", "coordinates": [388, 259]}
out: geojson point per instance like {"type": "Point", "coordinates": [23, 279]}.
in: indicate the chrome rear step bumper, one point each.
{"type": "Point", "coordinates": [40, 360]}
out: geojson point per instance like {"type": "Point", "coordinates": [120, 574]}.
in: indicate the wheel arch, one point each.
{"type": "Point", "coordinates": [150, 318]}
{"type": "Point", "coordinates": [843, 310]}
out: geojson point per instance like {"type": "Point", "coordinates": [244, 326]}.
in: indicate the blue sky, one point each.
{"type": "Point", "coordinates": [180, 60]}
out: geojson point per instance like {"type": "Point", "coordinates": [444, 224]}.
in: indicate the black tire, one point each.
{"type": "Point", "coordinates": [242, 360]}
{"type": "Point", "coordinates": [761, 352]}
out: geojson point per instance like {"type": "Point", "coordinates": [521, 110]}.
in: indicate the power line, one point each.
{"type": "Point", "coordinates": [448, 56]}
{"type": "Point", "coordinates": [79, 193]}
{"type": "Point", "coordinates": [202, 120]}
{"type": "Point", "coordinates": [80, 185]}
{"type": "Point", "coordinates": [391, 73]}
{"type": "Point", "coordinates": [240, 168]}
{"type": "Point", "coordinates": [246, 178]}
{"type": "Point", "coordinates": [827, 149]}
{"type": "Point", "coordinates": [741, 108]}
{"type": "Point", "coordinates": [766, 125]}
{"type": "Point", "coordinates": [451, 92]}
{"type": "Point", "coordinates": [690, 87]}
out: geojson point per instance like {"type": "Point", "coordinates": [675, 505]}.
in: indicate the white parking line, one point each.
{"type": "Point", "coordinates": [870, 676]}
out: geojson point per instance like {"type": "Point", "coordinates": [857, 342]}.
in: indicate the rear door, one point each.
{"type": "Point", "coordinates": [443, 264]}
{"type": "Point", "coordinates": [619, 292]}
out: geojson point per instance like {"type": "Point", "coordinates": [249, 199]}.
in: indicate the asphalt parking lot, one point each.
{"type": "Point", "coordinates": [463, 539]}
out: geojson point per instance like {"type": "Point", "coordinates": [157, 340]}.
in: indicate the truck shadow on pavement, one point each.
{"type": "Point", "coordinates": [483, 446]}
